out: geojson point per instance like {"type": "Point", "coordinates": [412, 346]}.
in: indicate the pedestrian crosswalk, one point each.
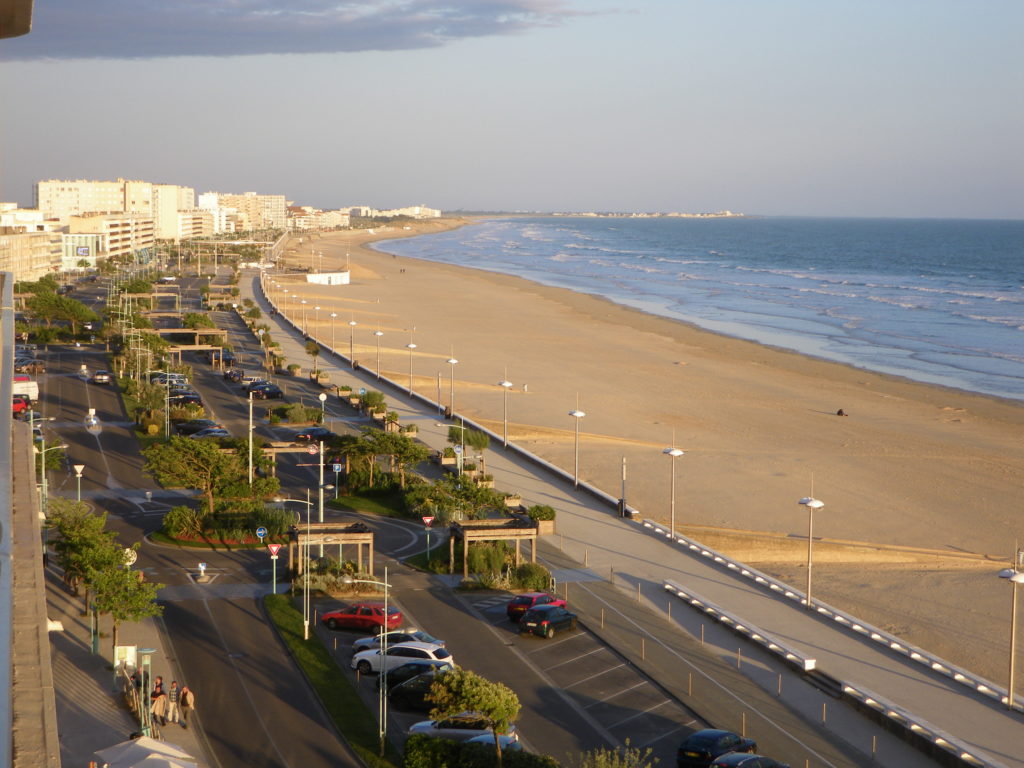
{"type": "Point", "coordinates": [491, 603]}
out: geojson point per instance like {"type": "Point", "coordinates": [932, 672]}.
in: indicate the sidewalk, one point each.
{"type": "Point", "coordinates": [91, 715]}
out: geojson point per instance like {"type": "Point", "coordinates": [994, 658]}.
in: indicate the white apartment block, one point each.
{"type": "Point", "coordinates": [412, 211]}
{"type": "Point", "coordinates": [62, 199]}
{"type": "Point", "coordinates": [29, 255]}
{"type": "Point", "coordinates": [257, 211]}
{"type": "Point", "coordinates": [196, 222]}
{"type": "Point", "coordinates": [124, 235]}
{"type": "Point", "coordinates": [303, 218]}
{"type": "Point", "coordinates": [26, 219]}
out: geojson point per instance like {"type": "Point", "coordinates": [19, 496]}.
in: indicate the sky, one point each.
{"type": "Point", "coordinates": [913, 108]}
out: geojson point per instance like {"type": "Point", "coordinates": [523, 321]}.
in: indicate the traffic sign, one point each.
{"type": "Point", "coordinates": [427, 520]}
{"type": "Point", "coordinates": [337, 468]}
{"type": "Point", "coordinates": [130, 556]}
{"type": "Point", "coordinates": [362, 390]}
{"type": "Point", "coordinates": [274, 549]}
{"type": "Point", "coordinates": [261, 532]}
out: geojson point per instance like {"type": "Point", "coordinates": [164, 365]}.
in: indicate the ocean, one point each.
{"type": "Point", "coordinates": [933, 300]}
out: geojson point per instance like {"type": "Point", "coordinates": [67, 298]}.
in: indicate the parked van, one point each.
{"type": "Point", "coordinates": [24, 385]}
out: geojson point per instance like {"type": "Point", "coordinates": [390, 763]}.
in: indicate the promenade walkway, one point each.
{"type": "Point", "coordinates": [639, 562]}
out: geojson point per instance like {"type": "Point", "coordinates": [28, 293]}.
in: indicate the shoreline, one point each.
{"type": "Point", "coordinates": [914, 465]}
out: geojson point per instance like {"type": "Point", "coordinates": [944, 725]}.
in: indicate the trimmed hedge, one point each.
{"type": "Point", "coordinates": [428, 752]}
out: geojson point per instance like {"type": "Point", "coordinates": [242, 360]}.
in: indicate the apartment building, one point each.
{"type": "Point", "coordinates": [29, 255]}
{"type": "Point", "coordinates": [257, 211]}
{"type": "Point", "coordinates": [123, 236]}
{"type": "Point", "coordinates": [195, 222]}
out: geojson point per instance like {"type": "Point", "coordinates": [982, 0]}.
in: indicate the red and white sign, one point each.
{"type": "Point", "coordinates": [427, 520]}
{"type": "Point", "coordinates": [312, 450]}
{"type": "Point", "coordinates": [274, 549]}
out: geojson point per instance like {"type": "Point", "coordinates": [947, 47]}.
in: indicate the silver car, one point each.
{"type": "Point", "coordinates": [461, 727]}
{"type": "Point", "coordinates": [408, 635]}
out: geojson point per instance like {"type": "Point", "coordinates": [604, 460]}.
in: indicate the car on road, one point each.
{"type": "Point", "coordinates": [362, 616]}
{"type": "Point", "coordinates": [741, 760]}
{"type": "Point", "coordinates": [249, 381]}
{"type": "Point", "coordinates": [520, 604]}
{"type": "Point", "coordinates": [266, 391]}
{"type": "Point", "coordinates": [546, 620]}
{"type": "Point", "coordinates": [700, 748]}
{"type": "Point", "coordinates": [209, 432]}
{"type": "Point", "coordinates": [461, 727]}
{"type": "Point", "coordinates": [87, 326]}
{"type": "Point", "coordinates": [192, 426]}
{"type": "Point", "coordinates": [180, 401]}
{"type": "Point", "coordinates": [407, 671]}
{"type": "Point", "coordinates": [20, 404]}
{"type": "Point", "coordinates": [313, 435]}
{"type": "Point", "coordinates": [411, 694]}
{"type": "Point", "coordinates": [234, 374]}
{"type": "Point", "coordinates": [407, 635]}
{"type": "Point", "coordinates": [101, 377]}
{"type": "Point", "coordinates": [375, 659]}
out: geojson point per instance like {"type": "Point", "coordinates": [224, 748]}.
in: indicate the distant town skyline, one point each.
{"type": "Point", "coordinates": [782, 108]}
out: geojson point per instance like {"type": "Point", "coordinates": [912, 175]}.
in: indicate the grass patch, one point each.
{"type": "Point", "coordinates": [335, 689]}
{"type": "Point", "coordinates": [215, 543]}
{"type": "Point", "coordinates": [390, 504]}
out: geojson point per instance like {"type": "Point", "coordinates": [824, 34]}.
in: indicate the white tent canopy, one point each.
{"type": "Point", "coordinates": [145, 752]}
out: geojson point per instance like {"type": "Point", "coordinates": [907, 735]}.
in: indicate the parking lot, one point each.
{"type": "Point", "coordinates": [612, 700]}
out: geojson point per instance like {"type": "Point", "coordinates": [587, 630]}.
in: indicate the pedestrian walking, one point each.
{"type": "Point", "coordinates": [188, 704]}
{"type": "Point", "coordinates": [158, 705]}
{"type": "Point", "coordinates": [173, 700]}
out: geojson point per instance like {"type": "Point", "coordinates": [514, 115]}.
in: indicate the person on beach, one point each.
{"type": "Point", "coordinates": [173, 699]}
{"type": "Point", "coordinates": [188, 704]}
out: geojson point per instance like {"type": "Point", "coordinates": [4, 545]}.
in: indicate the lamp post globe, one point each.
{"type": "Point", "coordinates": [813, 505]}
{"type": "Point", "coordinates": [505, 385]}
{"type": "Point", "coordinates": [576, 414]}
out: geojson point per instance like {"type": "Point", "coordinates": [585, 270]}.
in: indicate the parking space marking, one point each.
{"type": "Point", "coordinates": [611, 696]}
{"type": "Point", "coordinates": [596, 674]}
{"type": "Point", "coordinates": [575, 658]}
{"type": "Point", "coordinates": [565, 639]}
{"type": "Point", "coordinates": [693, 723]}
{"type": "Point", "coordinates": [641, 713]}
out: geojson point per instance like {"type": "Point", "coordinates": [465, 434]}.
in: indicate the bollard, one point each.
{"type": "Point", "coordinates": [779, 690]}
{"type": "Point", "coordinates": [335, 644]}
{"type": "Point", "coordinates": [566, 584]}
{"type": "Point", "coordinates": [602, 618]}
{"type": "Point", "coordinates": [638, 591]}
{"type": "Point", "coordinates": [561, 542]}
{"type": "Point", "coordinates": [874, 748]}
{"type": "Point", "coordinates": [702, 634]}
{"type": "Point", "coordinates": [689, 684]}
{"type": "Point", "coordinates": [643, 649]}
{"type": "Point", "coordinates": [586, 557]}
{"type": "Point", "coordinates": [670, 609]}
{"type": "Point", "coordinates": [824, 712]}
{"type": "Point", "coordinates": [743, 724]}
{"type": "Point", "coordinates": [611, 573]}
{"type": "Point", "coordinates": [739, 658]}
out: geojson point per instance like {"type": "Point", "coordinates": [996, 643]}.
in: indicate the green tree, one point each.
{"type": "Point", "coordinates": [459, 690]}
{"type": "Point", "coordinates": [122, 593]}
{"type": "Point", "coordinates": [84, 546]}
{"type": "Point", "coordinates": [197, 320]}
{"type": "Point", "coordinates": [313, 350]}
{"type": "Point", "coordinates": [198, 464]}
{"type": "Point", "coordinates": [52, 307]}
{"type": "Point", "coordinates": [402, 451]}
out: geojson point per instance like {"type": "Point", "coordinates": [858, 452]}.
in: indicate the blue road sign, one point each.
{"type": "Point", "coordinates": [261, 532]}
{"type": "Point", "coordinates": [362, 390]}
{"type": "Point", "coordinates": [337, 468]}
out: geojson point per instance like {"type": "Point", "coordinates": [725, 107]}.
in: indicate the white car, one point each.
{"type": "Point", "coordinates": [407, 635]}
{"type": "Point", "coordinates": [463, 727]}
{"type": "Point", "coordinates": [374, 661]}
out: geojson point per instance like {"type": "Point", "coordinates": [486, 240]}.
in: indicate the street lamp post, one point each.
{"type": "Point", "coordinates": [813, 505]}
{"type": "Point", "coordinates": [316, 320]}
{"type": "Point", "coordinates": [410, 346]}
{"type": "Point", "coordinates": [451, 396]}
{"type": "Point", "coordinates": [1015, 577]}
{"type": "Point", "coordinates": [78, 475]}
{"type": "Point", "coordinates": [577, 414]}
{"type": "Point", "coordinates": [334, 316]}
{"type": "Point", "coordinates": [250, 439]}
{"type": "Point", "coordinates": [382, 697]}
{"type": "Point", "coordinates": [303, 303]}
{"type": "Point", "coordinates": [352, 343]}
{"type": "Point", "coordinates": [303, 560]}
{"type": "Point", "coordinates": [504, 384]}
{"type": "Point", "coordinates": [674, 453]}
{"type": "Point", "coordinates": [378, 333]}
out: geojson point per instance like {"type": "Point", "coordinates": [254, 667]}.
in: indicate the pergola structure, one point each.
{"type": "Point", "coordinates": [329, 534]}
{"type": "Point", "coordinates": [502, 529]}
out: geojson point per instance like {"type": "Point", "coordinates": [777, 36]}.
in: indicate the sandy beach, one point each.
{"type": "Point", "coordinates": [922, 484]}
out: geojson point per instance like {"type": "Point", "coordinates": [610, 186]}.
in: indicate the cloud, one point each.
{"type": "Point", "coordinates": [145, 29]}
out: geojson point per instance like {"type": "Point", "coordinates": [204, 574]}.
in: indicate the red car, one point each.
{"type": "Point", "coordinates": [520, 604]}
{"type": "Point", "coordinates": [20, 404]}
{"type": "Point", "coordinates": [368, 616]}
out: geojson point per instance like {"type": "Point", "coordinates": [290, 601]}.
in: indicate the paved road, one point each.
{"type": "Point", "coordinates": [590, 533]}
